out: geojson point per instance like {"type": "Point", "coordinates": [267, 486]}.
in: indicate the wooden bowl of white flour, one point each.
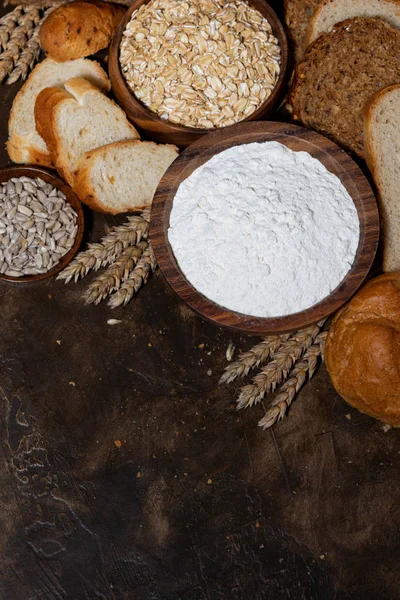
{"type": "Point", "coordinates": [265, 227]}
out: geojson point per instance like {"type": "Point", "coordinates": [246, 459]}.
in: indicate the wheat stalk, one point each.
{"type": "Point", "coordinates": [112, 277]}
{"type": "Point", "coordinates": [277, 369]}
{"type": "Point", "coordinates": [135, 280]}
{"type": "Point", "coordinates": [302, 371]}
{"type": "Point", "coordinates": [104, 253]}
{"type": "Point", "coordinates": [252, 358]}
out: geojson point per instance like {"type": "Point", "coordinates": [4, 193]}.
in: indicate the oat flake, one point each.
{"type": "Point", "coordinates": [263, 230]}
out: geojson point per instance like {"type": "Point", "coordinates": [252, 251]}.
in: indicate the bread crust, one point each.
{"type": "Point", "coordinates": [362, 352]}
{"type": "Point", "coordinates": [46, 105]}
{"type": "Point", "coordinates": [79, 29]}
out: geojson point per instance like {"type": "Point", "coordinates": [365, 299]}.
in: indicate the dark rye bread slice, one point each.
{"type": "Point", "coordinates": [297, 16]}
{"type": "Point", "coordinates": [340, 72]}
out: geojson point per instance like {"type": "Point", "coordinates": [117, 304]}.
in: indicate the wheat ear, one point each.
{"type": "Point", "coordinates": [104, 253]}
{"type": "Point", "coordinates": [111, 278]}
{"type": "Point", "coordinates": [277, 369]}
{"type": "Point", "coordinates": [30, 51]}
{"type": "Point", "coordinates": [18, 28]}
{"type": "Point", "coordinates": [252, 358]}
{"type": "Point", "coordinates": [135, 280]}
{"type": "Point", "coordinates": [303, 370]}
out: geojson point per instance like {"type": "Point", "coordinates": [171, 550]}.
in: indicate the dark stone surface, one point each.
{"type": "Point", "coordinates": [307, 511]}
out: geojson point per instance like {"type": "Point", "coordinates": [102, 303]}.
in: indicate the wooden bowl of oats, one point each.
{"type": "Point", "coordinates": [181, 70]}
{"type": "Point", "coordinates": [41, 224]}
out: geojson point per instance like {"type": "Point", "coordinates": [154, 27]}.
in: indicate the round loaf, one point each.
{"type": "Point", "coordinates": [340, 72]}
{"type": "Point", "coordinates": [79, 29]}
{"type": "Point", "coordinates": [363, 350]}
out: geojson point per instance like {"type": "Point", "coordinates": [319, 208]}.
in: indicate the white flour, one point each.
{"type": "Point", "coordinates": [263, 230]}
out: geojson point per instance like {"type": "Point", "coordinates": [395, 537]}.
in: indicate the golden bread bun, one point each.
{"type": "Point", "coordinates": [363, 350]}
{"type": "Point", "coordinates": [79, 29]}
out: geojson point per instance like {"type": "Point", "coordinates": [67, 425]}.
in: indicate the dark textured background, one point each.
{"type": "Point", "coordinates": [307, 511]}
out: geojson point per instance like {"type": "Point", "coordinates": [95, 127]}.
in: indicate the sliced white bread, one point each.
{"type": "Point", "coordinates": [25, 145]}
{"type": "Point", "coordinates": [77, 119]}
{"type": "Point", "coordinates": [123, 176]}
{"type": "Point", "coordinates": [330, 12]}
{"type": "Point", "coordinates": [382, 149]}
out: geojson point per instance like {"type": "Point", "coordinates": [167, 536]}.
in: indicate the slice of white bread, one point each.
{"type": "Point", "coordinates": [77, 119]}
{"type": "Point", "coordinates": [382, 149]}
{"type": "Point", "coordinates": [25, 145]}
{"type": "Point", "coordinates": [123, 176]}
{"type": "Point", "coordinates": [330, 12]}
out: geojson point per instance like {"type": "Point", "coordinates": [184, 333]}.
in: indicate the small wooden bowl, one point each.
{"type": "Point", "coordinates": [296, 138]}
{"type": "Point", "coordinates": [17, 171]}
{"type": "Point", "coordinates": [165, 131]}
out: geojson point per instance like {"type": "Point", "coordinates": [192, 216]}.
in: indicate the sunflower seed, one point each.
{"type": "Point", "coordinates": [37, 226]}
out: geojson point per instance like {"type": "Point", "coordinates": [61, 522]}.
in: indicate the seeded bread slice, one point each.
{"type": "Point", "coordinates": [382, 149]}
{"type": "Point", "coordinates": [340, 72]}
{"type": "Point", "coordinates": [297, 16]}
{"type": "Point", "coordinates": [330, 12]}
{"type": "Point", "coordinates": [124, 176]}
{"type": "Point", "coordinates": [77, 119]}
{"type": "Point", "coordinates": [25, 145]}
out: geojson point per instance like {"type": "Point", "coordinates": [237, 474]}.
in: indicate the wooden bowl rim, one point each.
{"type": "Point", "coordinates": [341, 164]}
{"type": "Point", "coordinates": [32, 171]}
{"type": "Point", "coordinates": [117, 78]}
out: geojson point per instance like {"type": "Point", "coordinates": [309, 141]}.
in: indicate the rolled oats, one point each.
{"type": "Point", "coordinates": [205, 64]}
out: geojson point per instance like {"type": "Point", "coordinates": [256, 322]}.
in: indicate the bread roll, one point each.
{"type": "Point", "coordinates": [79, 29]}
{"type": "Point", "coordinates": [363, 350]}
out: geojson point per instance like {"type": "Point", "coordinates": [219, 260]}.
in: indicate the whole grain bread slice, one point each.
{"type": "Point", "coordinates": [330, 12]}
{"type": "Point", "coordinates": [382, 149]}
{"type": "Point", "coordinates": [340, 72]}
{"type": "Point", "coordinates": [297, 16]}
{"type": "Point", "coordinates": [123, 176]}
{"type": "Point", "coordinates": [25, 145]}
{"type": "Point", "coordinates": [77, 119]}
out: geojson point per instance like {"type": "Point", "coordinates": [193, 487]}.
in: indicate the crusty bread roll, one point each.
{"type": "Point", "coordinates": [363, 350]}
{"type": "Point", "coordinates": [79, 29]}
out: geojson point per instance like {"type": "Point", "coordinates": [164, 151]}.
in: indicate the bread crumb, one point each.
{"type": "Point", "coordinates": [209, 372]}
{"type": "Point", "coordinates": [348, 416]}
{"type": "Point", "coordinates": [209, 481]}
{"type": "Point", "coordinates": [138, 475]}
{"type": "Point", "coordinates": [72, 383]}
{"type": "Point", "coordinates": [118, 443]}
{"type": "Point", "coordinates": [113, 321]}
{"type": "Point", "coordinates": [322, 557]}
{"type": "Point", "coordinates": [386, 428]}
{"type": "Point", "coordinates": [201, 346]}
{"type": "Point", "coordinates": [58, 342]}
